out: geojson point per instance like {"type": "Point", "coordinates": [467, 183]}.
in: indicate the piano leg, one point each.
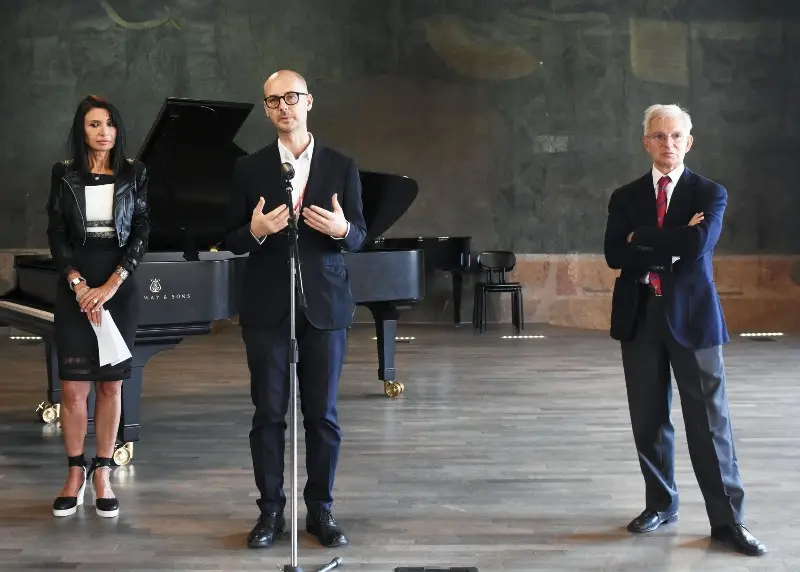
{"type": "Point", "coordinates": [458, 282]}
{"type": "Point", "coordinates": [131, 416]}
{"type": "Point", "coordinates": [50, 410]}
{"type": "Point", "coordinates": [385, 316]}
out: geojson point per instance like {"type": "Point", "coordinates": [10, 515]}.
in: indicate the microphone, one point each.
{"type": "Point", "coordinates": [335, 563]}
{"type": "Point", "coordinates": [288, 174]}
{"type": "Point", "coordinates": [287, 171]}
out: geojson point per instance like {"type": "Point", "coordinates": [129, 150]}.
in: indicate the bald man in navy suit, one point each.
{"type": "Point", "coordinates": [326, 196]}
{"type": "Point", "coordinates": [661, 232]}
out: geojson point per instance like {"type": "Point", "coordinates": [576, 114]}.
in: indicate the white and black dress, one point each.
{"type": "Point", "coordinates": [96, 260]}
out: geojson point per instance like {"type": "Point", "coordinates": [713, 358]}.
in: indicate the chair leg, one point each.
{"type": "Point", "coordinates": [475, 302]}
{"type": "Point", "coordinates": [478, 309]}
{"type": "Point", "coordinates": [484, 295]}
{"type": "Point", "coordinates": [481, 310]}
{"type": "Point", "coordinates": [514, 314]}
{"type": "Point", "coordinates": [521, 312]}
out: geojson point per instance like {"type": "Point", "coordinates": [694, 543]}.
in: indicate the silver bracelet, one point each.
{"type": "Point", "coordinates": [75, 281]}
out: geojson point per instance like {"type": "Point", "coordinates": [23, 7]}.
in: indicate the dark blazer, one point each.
{"type": "Point", "coordinates": [265, 293]}
{"type": "Point", "coordinates": [694, 312]}
{"type": "Point", "coordinates": [66, 208]}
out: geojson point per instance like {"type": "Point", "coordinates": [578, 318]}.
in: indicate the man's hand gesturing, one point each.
{"type": "Point", "coordinates": [331, 223]}
{"type": "Point", "coordinates": [274, 221]}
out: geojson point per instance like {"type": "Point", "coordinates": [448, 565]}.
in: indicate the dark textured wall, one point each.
{"type": "Point", "coordinates": [517, 118]}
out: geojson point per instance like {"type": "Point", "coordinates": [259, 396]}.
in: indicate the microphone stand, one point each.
{"type": "Point", "coordinates": [297, 299]}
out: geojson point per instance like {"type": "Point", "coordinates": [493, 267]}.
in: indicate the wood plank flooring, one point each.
{"type": "Point", "coordinates": [507, 455]}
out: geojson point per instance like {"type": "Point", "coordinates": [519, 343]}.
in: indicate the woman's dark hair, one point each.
{"type": "Point", "coordinates": [76, 144]}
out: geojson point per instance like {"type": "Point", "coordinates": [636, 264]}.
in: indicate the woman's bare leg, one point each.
{"type": "Point", "coordinates": [107, 408]}
{"type": "Point", "coordinates": [73, 420]}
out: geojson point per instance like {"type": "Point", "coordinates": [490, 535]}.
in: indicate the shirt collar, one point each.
{"type": "Point", "coordinates": [674, 175]}
{"type": "Point", "coordinates": [287, 155]}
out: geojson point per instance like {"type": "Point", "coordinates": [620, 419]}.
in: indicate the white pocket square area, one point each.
{"type": "Point", "coordinates": [112, 349]}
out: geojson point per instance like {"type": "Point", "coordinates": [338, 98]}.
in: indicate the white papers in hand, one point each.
{"type": "Point", "coordinates": [111, 348]}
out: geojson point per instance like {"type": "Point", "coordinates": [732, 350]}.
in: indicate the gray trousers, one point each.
{"type": "Point", "coordinates": [700, 377]}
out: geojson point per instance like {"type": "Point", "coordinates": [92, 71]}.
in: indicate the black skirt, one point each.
{"type": "Point", "coordinates": [76, 342]}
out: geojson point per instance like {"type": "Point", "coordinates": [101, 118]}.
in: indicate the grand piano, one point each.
{"type": "Point", "coordinates": [187, 285]}
{"type": "Point", "coordinates": [442, 254]}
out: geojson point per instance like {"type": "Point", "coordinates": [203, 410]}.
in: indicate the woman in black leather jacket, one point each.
{"type": "Point", "coordinates": [98, 226]}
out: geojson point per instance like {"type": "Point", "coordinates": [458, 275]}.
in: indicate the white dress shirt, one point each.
{"type": "Point", "coordinates": [302, 170]}
{"type": "Point", "coordinates": [674, 176]}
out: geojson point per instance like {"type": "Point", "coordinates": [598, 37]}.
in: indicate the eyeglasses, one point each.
{"type": "Point", "coordinates": [662, 137]}
{"type": "Point", "coordinates": [290, 97]}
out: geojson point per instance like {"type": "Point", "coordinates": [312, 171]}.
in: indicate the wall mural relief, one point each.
{"type": "Point", "coordinates": [517, 118]}
{"type": "Point", "coordinates": [505, 48]}
{"type": "Point", "coordinates": [660, 51]}
{"type": "Point", "coordinates": [147, 24]}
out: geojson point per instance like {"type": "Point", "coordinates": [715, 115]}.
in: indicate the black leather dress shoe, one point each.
{"type": "Point", "coordinates": [649, 520]}
{"type": "Point", "coordinates": [739, 538]}
{"type": "Point", "coordinates": [324, 527]}
{"type": "Point", "coordinates": [269, 526]}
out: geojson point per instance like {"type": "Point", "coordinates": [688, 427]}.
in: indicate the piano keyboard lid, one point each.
{"type": "Point", "coordinates": [27, 310]}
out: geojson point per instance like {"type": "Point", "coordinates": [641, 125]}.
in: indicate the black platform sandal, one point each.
{"type": "Point", "coordinates": [107, 508]}
{"type": "Point", "coordinates": [67, 506]}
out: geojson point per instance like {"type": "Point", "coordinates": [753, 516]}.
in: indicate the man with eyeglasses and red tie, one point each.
{"type": "Point", "coordinates": [661, 233]}
{"type": "Point", "coordinates": [326, 196]}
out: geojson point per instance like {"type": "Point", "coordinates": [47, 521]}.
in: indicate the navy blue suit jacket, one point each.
{"type": "Point", "coordinates": [694, 312]}
{"type": "Point", "coordinates": [265, 293]}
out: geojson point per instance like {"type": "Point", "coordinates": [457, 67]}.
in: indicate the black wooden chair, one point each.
{"type": "Point", "coordinates": [495, 264]}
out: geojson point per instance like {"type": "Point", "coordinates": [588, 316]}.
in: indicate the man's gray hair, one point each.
{"type": "Point", "coordinates": [672, 110]}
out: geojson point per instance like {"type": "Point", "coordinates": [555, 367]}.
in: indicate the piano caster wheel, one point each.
{"type": "Point", "coordinates": [393, 389]}
{"type": "Point", "coordinates": [49, 412]}
{"type": "Point", "coordinates": [123, 454]}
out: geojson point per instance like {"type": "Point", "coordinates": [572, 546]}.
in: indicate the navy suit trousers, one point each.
{"type": "Point", "coordinates": [321, 354]}
{"type": "Point", "coordinates": [700, 378]}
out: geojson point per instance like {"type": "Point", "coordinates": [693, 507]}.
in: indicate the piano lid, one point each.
{"type": "Point", "coordinates": [189, 154]}
{"type": "Point", "coordinates": [385, 198]}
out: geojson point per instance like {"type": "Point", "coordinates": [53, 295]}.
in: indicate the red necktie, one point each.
{"type": "Point", "coordinates": [661, 210]}
{"type": "Point", "coordinates": [299, 201]}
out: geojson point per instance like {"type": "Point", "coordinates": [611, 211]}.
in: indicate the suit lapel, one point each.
{"type": "Point", "coordinates": [272, 177]}
{"type": "Point", "coordinates": [646, 202]}
{"type": "Point", "coordinates": [680, 200]}
{"type": "Point", "coordinates": [315, 188]}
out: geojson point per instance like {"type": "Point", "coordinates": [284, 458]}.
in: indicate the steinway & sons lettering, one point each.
{"type": "Point", "coordinates": [156, 292]}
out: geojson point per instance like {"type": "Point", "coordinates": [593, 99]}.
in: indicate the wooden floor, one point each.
{"type": "Point", "coordinates": [501, 454]}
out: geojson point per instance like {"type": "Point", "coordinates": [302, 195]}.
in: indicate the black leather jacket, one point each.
{"type": "Point", "coordinates": [66, 208]}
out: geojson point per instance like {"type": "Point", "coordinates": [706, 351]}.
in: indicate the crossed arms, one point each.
{"type": "Point", "coordinates": [651, 248]}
